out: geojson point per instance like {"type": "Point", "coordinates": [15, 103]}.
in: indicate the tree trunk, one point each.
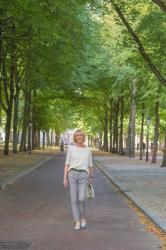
{"type": "Point", "coordinates": [1, 57]}
{"type": "Point", "coordinates": [51, 140]}
{"type": "Point", "coordinates": [7, 131]}
{"type": "Point", "coordinates": [25, 123]}
{"type": "Point", "coordinates": [34, 137]}
{"type": "Point", "coordinates": [91, 141]}
{"type": "Point", "coordinates": [95, 142]}
{"type": "Point", "coordinates": [114, 130]}
{"type": "Point", "coordinates": [111, 122]}
{"type": "Point", "coordinates": [29, 123]}
{"type": "Point", "coordinates": [156, 133]}
{"type": "Point", "coordinates": [44, 140]}
{"type": "Point", "coordinates": [15, 124]}
{"type": "Point", "coordinates": [131, 125]}
{"type": "Point", "coordinates": [128, 143]}
{"type": "Point", "coordinates": [133, 115]}
{"type": "Point", "coordinates": [48, 138]}
{"type": "Point", "coordinates": [38, 138]}
{"type": "Point", "coordinates": [88, 140]}
{"type": "Point", "coordinates": [105, 145]}
{"type": "Point", "coordinates": [34, 129]}
{"type": "Point", "coordinates": [15, 118]}
{"type": "Point", "coordinates": [10, 96]}
{"type": "Point", "coordinates": [100, 140]}
{"type": "Point", "coordinates": [142, 130]}
{"type": "Point", "coordinates": [115, 127]}
{"type": "Point", "coordinates": [57, 139]}
{"type": "Point", "coordinates": [164, 154]}
{"type": "Point", "coordinates": [121, 125]}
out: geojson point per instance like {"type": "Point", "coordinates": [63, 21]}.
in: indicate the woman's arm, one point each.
{"type": "Point", "coordinates": [66, 171]}
{"type": "Point", "coordinates": [65, 179]}
{"type": "Point", "coordinates": [91, 171]}
{"type": "Point", "coordinates": [67, 163]}
{"type": "Point", "coordinates": [90, 165]}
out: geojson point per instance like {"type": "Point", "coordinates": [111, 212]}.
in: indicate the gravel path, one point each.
{"type": "Point", "coordinates": [145, 181]}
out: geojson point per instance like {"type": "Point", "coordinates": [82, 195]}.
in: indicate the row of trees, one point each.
{"type": "Point", "coordinates": [40, 44]}
{"type": "Point", "coordinates": [130, 86]}
{"type": "Point", "coordinates": [93, 64]}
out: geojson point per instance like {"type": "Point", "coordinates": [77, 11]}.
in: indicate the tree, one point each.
{"type": "Point", "coordinates": [141, 48]}
{"type": "Point", "coordinates": [161, 4]}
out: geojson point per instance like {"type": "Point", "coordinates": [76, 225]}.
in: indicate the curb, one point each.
{"type": "Point", "coordinates": [10, 180]}
{"type": "Point", "coordinates": [151, 215]}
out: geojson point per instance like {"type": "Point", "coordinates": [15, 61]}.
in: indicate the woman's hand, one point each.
{"type": "Point", "coordinates": [65, 182]}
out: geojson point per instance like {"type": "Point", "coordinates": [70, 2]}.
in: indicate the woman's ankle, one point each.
{"type": "Point", "coordinates": [77, 221]}
{"type": "Point", "coordinates": [83, 219]}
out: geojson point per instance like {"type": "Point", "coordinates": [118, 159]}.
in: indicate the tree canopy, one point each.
{"type": "Point", "coordinates": [82, 63]}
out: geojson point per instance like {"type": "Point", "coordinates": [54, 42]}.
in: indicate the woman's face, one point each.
{"type": "Point", "coordinates": [79, 137]}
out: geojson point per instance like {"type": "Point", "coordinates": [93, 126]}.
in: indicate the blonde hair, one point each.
{"type": "Point", "coordinates": [78, 131]}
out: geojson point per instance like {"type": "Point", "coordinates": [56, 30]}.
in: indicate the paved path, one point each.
{"type": "Point", "coordinates": [145, 182]}
{"type": "Point", "coordinates": [37, 209]}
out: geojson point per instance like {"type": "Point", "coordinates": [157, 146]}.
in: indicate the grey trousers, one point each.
{"type": "Point", "coordinates": [78, 182]}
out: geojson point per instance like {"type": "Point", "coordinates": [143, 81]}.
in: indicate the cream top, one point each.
{"type": "Point", "coordinates": [79, 158]}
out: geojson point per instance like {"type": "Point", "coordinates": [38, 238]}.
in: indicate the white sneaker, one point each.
{"type": "Point", "coordinates": [77, 225]}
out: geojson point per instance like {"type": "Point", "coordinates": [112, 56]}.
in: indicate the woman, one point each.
{"type": "Point", "coordinates": [78, 172]}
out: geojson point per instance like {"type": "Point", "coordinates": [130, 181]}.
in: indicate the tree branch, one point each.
{"type": "Point", "coordinates": [141, 48]}
{"type": "Point", "coordinates": [5, 83]}
{"type": "Point", "coordinates": [161, 4]}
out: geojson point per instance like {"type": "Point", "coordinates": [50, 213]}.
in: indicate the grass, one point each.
{"type": "Point", "coordinates": [13, 164]}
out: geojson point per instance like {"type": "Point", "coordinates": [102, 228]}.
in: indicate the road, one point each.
{"type": "Point", "coordinates": [36, 210]}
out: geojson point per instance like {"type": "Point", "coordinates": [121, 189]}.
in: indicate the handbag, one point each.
{"type": "Point", "coordinates": [90, 191]}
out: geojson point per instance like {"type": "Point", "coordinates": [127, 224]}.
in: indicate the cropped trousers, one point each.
{"type": "Point", "coordinates": [78, 182]}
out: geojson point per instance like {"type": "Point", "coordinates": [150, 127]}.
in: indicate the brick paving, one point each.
{"type": "Point", "coordinates": [36, 208]}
